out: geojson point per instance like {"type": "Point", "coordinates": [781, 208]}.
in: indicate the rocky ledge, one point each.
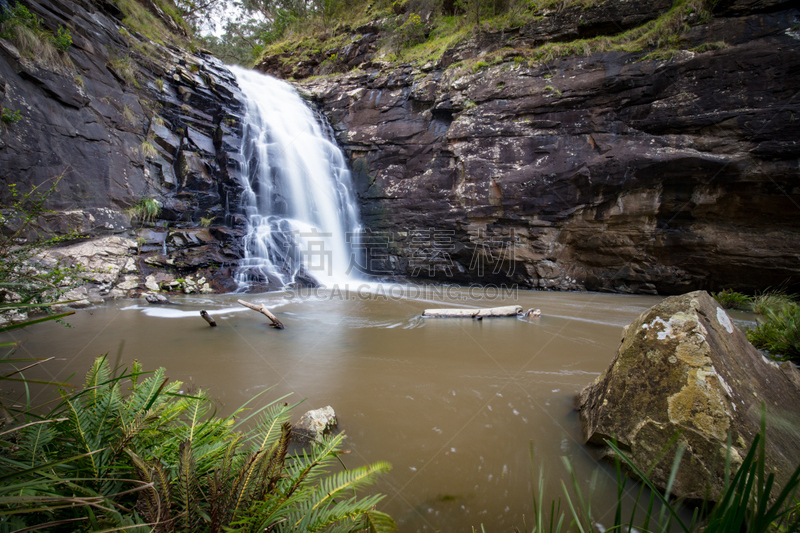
{"type": "Point", "coordinates": [684, 369]}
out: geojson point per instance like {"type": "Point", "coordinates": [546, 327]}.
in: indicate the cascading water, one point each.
{"type": "Point", "coordinates": [300, 209]}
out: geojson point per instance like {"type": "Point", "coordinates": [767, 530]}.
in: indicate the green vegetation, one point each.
{"type": "Point", "coordinates": [145, 210]}
{"type": "Point", "coordinates": [552, 90]}
{"type": "Point", "coordinates": [778, 319]}
{"type": "Point", "coordinates": [125, 69]}
{"type": "Point", "coordinates": [420, 31]}
{"type": "Point", "coordinates": [32, 39]}
{"type": "Point", "coordinates": [772, 300]}
{"type": "Point", "coordinates": [206, 222]}
{"type": "Point", "coordinates": [27, 281]}
{"type": "Point", "coordinates": [730, 299]}
{"type": "Point", "coordinates": [11, 117]}
{"type": "Point", "coordinates": [777, 332]}
{"type": "Point", "coordinates": [707, 47]}
{"type": "Point", "coordinates": [162, 30]}
{"type": "Point", "coordinates": [749, 501]}
{"type": "Point", "coordinates": [664, 32]}
{"type": "Point", "coordinates": [127, 114]}
{"type": "Point", "coordinates": [63, 39]}
{"type": "Point", "coordinates": [148, 150]}
{"type": "Point", "coordinates": [124, 451]}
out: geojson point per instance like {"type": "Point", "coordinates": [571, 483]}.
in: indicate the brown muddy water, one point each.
{"type": "Point", "coordinates": [453, 404]}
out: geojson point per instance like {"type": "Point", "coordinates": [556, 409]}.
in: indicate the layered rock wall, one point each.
{"type": "Point", "coordinates": [608, 171]}
{"type": "Point", "coordinates": [120, 119]}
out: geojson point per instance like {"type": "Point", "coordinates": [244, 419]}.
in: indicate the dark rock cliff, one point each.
{"type": "Point", "coordinates": [121, 119]}
{"type": "Point", "coordinates": [608, 171]}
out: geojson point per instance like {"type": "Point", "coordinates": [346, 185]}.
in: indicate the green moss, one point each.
{"type": "Point", "coordinates": [445, 36]}
{"type": "Point", "coordinates": [148, 150]}
{"type": "Point", "coordinates": [552, 90]}
{"type": "Point", "coordinates": [706, 47]}
{"type": "Point", "coordinates": [125, 69]}
{"type": "Point", "coordinates": [140, 20]}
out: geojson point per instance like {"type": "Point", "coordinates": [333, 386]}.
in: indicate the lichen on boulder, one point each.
{"type": "Point", "coordinates": [684, 368]}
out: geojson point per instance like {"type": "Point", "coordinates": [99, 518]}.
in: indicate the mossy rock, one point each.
{"type": "Point", "coordinates": [684, 368]}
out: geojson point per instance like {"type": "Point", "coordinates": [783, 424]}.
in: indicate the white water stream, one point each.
{"type": "Point", "coordinates": [298, 196]}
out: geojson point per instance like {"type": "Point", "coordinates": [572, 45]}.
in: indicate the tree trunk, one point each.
{"type": "Point", "coordinates": [208, 318]}
{"type": "Point", "coordinates": [264, 311]}
{"type": "Point", "coordinates": [510, 310]}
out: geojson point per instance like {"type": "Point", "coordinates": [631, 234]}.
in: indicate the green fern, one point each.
{"type": "Point", "coordinates": [180, 467]}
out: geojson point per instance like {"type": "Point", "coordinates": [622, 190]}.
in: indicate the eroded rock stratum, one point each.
{"type": "Point", "coordinates": [684, 368]}
{"type": "Point", "coordinates": [608, 171]}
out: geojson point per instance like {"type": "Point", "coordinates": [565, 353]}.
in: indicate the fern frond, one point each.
{"type": "Point", "coordinates": [220, 487]}
{"type": "Point", "coordinates": [104, 411]}
{"type": "Point", "coordinates": [272, 512]}
{"type": "Point", "coordinates": [378, 522]}
{"type": "Point", "coordinates": [34, 440]}
{"type": "Point", "coordinates": [333, 486]}
{"type": "Point", "coordinates": [322, 518]}
{"type": "Point", "coordinates": [149, 505]}
{"type": "Point", "coordinates": [98, 374]}
{"type": "Point", "coordinates": [277, 460]}
{"type": "Point", "coordinates": [80, 427]}
{"type": "Point", "coordinates": [140, 422]}
{"type": "Point", "coordinates": [305, 468]}
{"type": "Point", "coordinates": [269, 429]}
{"type": "Point", "coordinates": [187, 488]}
{"type": "Point", "coordinates": [243, 484]}
{"type": "Point", "coordinates": [144, 395]}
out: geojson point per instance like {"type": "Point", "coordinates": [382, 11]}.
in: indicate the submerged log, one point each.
{"type": "Point", "coordinates": [264, 311]}
{"type": "Point", "coordinates": [509, 310]}
{"type": "Point", "coordinates": [208, 318]}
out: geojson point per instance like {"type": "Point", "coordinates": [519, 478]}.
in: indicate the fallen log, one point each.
{"type": "Point", "coordinates": [208, 318]}
{"type": "Point", "coordinates": [509, 310]}
{"type": "Point", "coordinates": [264, 311]}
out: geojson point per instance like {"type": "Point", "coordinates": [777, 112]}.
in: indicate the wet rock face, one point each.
{"type": "Point", "coordinates": [88, 118]}
{"type": "Point", "coordinates": [122, 119]}
{"type": "Point", "coordinates": [605, 172]}
{"type": "Point", "coordinates": [683, 366]}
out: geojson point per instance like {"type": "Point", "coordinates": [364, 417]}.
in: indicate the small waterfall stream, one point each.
{"type": "Point", "coordinates": [300, 208]}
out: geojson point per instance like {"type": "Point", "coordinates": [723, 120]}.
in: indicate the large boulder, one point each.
{"type": "Point", "coordinates": [684, 367]}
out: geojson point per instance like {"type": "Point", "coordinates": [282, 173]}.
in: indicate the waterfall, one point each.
{"type": "Point", "coordinates": [300, 208]}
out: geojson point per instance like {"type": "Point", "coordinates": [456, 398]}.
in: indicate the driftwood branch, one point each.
{"type": "Point", "coordinates": [264, 311]}
{"type": "Point", "coordinates": [208, 318]}
{"type": "Point", "coordinates": [510, 310]}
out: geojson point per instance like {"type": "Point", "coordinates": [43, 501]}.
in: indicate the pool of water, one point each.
{"type": "Point", "coordinates": [453, 404]}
